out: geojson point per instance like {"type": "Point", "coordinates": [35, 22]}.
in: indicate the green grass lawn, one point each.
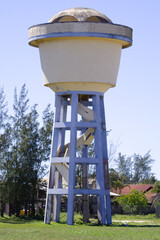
{"type": "Point", "coordinates": [145, 227]}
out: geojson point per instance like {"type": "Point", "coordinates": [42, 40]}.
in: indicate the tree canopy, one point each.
{"type": "Point", "coordinates": [135, 169]}
{"type": "Point", "coordinates": [24, 150]}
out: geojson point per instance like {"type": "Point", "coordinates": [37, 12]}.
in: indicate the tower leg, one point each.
{"type": "Point", "coordinates": [59, 200]}
{"type": "Point", "coordinates": [73, 140]}
{"type": "Point", "coordinates": [99, 154]}
{"type": "Point", "coordinates": [58, 177]}
{"type": "Point", "coordinates": [106, 169]}
{"type": "Point", "coordinates": [55, 197]}
{"type": "Point", "coordinates": [51, 180]}
{"type": "Point", "coordinates": [48, 206]}
{"type": "Point", "coordinates": [108, 209]}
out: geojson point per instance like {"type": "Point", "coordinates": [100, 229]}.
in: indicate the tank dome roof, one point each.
{"type": "Point", "coordinates": [80, 22]}
{"type": "Point", "coordinates": [80, 15]}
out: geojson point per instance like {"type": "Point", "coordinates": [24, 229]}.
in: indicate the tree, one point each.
{"type": "Point", "coordinates": [142, 167]}
{"type": "Point", "coordinates": [134, 202]}
{"type": "Point", "coordinates": [24, 150]}
{"type": "Point", "coordinates": [124, 167]}
{"type": "Point", "coordinates": [6, 176]}
{"type": "Point", "coordinates": [46, 133]}
{"type": "Point", "coordinates": [117, 180]}
{"type": "Point", "coordinates": [30, 150]}
{"type": "Point", "coordinates": [3, 110]}
{"type": "Point", "coordinates": [4, 149]}
{"type": "Point", "coordinates": [136, 168]}
{"type": "Point", "coordinates": [19, 121]}
{"type": "Point", "coordinates": [30, 161]}
{"type": "Point", "coordinates": [112, 149]}
{"type": "Point", "coordinates": [156, 187]}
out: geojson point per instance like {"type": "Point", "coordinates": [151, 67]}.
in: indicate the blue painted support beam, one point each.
{"type": "Point", "coordinates": [88, 93]}
{"type": "Point", "coordinates": [61, 140]}
{"type": "Point", "coordinates": [72, 155]}
{"type": "Point", "coordinates": [64, 191]}
{"type": "Point", "coordinates": [57, 191]}
{"type": "Point", "coordinates": [60, 160]}
{"type": "Point", "coordinates": [79, 125]}
{"type": "Point", "coordinates": [58, 100]}
{"type": "Point", "coordinates": [97, 166]}
{"type": "Point", "coordinates": [98, 151]}
{"type": "Point", "coordinates": [55, 197]}
{"type": "Point", "coordinates": [59, 199]}
{"type": "Point", "coordinates": [85, 103]}
{"type": "Point", "coordinates": [48, 207]}
{"type": "Point", "coordinates": [63, 118]}
{"type": "Point", "coordinates": [60, 117]}
{"type": "Point", "coordinates": [106, 169]}
{"type": "Point", "coordinates": [47, 218]}
{"type": "Point", "coordinates": [90, 191]}
{"type": "Point", "coordinates": [77, 160]}
{"type": "Point", "coordinates": [86, 160]}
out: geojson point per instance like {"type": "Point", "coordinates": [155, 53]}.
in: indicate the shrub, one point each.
{"type": "Point", "coordinates": [134, 202]}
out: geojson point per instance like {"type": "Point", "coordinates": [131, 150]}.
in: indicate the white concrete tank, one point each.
{"type": "Point", "coordinates": [80, 50]}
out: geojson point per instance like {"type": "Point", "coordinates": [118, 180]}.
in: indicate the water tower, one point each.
{"type": "Point", "coordinates": [80, 51]}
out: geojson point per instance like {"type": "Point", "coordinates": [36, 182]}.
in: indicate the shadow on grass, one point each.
{"type": "Point", "coordinates": [15, 220]}
{"type": "Point", "coordinates": [114, 225]}
{"type": "Point", "coordinates": [78, 222]}
{"type": "Point", "coordinates": [93, 224]}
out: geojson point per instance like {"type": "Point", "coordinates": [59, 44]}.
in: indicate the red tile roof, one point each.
{"type": "Point", "coordinates": [138, 187]}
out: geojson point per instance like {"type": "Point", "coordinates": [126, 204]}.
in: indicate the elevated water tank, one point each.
{"type": "Point", "coordinates": [80, 50]}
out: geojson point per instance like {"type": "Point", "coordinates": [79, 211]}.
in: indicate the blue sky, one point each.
{"type": "Point", "coordinates": [133, 106]}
